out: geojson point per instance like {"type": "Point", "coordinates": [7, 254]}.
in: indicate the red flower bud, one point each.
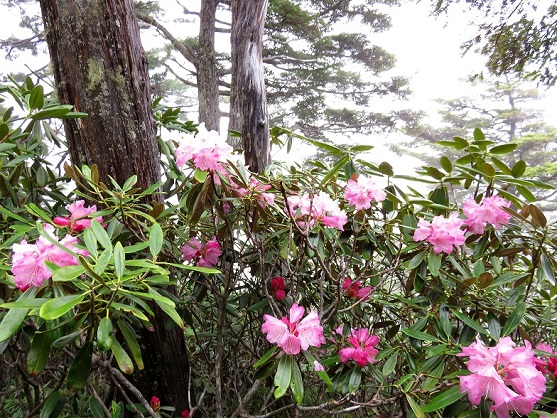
{"type": "Point", "coordinates": [155, 403]}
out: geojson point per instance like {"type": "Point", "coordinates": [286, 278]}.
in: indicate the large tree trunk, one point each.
{"type": "Point", "coordinates": [100, 68]}
{"type": "Point", "coordinates": [207, 76]}
{"type": "Point", "coordinates": [248, 107]}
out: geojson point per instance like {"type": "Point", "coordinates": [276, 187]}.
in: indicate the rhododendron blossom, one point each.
{"type": "Point", "coordinates": [155, 403]}
{"type": "Point", "coordinates": [443, 233]}
{"type": "Point", "coordinates": [277, 284]}
{"type": "Point", "coordinates": [353, 290]}
{"type": "Point", "coordinates": [207, 151]}
{"type": "Point", "coordinates": [308, 209]}
{"type": "Point", "coordinates": [362, 191]}
{"type": "Point", "coordinates": [546, 364]}
{"type": "Point", "coordinates": [28, 260]}
{"type": "Point", "coordinates": [363, 349]}
{"type": "Point", "coordinates": [487, 212]}
{"type": "Point", "coordinates": [79, 216]}
{"type": "Point", "coordinates": [506, 374]}
{"type": "Point", "coordinates": [203, 256]}
{"type": "Point", "coordinates": [255, 189]}
{"type": "Point", "coordinates": [294, 333]}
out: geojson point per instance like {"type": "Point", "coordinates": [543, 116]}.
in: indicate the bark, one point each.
{"type": "Point", "coordinates": [248, 108]}
{"type": "Point", "coordinates": [100, 68]}
{"type": "Point", "coordinates": [207, 75]}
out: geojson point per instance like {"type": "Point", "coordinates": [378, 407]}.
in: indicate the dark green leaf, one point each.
{"type": "Point", "coordinates": [36, 100]}
{"type": "Point", "coordinates": [503, 149]}
{"type": "Point", "coordinates": [122, 358]}
{"type": "Point", "coordinates": [283, 375]}
{"type": "Point", "coordinates": [514, 319]}
{"type": "Point", "coordinates": [420, 335]}
{"type": "Point", "coordinates": [13, 319]}
{"type": "Point", "coordinates": [519, 168]}
{"type": "Point", "coordinates": [80, 367]}
{"type": "Point", "coordinates": [104, 334]}
{"type": "Point", "coordinates": [131, 341]}
{"type": "Point", "coordinates": [297, 384]}
{"type": "Point", "coordinates": [415, 407]}
{"type": "Point", "coordinates": [470, 322]}
{"type": "Point", "coordinates": [443, 399]}
{"type": "Point", "coordinates": [155, 239]}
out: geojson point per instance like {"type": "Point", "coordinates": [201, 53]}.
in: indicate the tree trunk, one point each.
{"type": "Point", "coordinates": [100, 68]}
{"type": "Point", "coordinates": [248, 107]}
{"type": "Point", "coordinates": [207, 77]}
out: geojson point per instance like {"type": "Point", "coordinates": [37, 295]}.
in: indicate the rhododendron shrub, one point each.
{"type": "Point", "coordinates": [305, 290]}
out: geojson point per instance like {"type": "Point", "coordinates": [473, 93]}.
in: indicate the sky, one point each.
{"type": "Point", "coordinates": [427, 50]}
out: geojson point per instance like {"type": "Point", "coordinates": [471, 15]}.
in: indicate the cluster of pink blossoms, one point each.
{"type": "Point", "coordinates": [308, 209]}
{"type": "Point", "coordinates": [294, 333]}
{"type": "Point", "coordinates": [277, 284]}
{"type": "Point", "coordinates": [202, 255]}
{"type": "Point", "coordinates": [207, 151]}
{"type": "Point", "coordinates": [487, 212]}
{"type": "Point", "coordinates": [362, 191]}
{"type": "Point", "coordinates": [255, 189]}
{"type": "Point", "coordinates": [362, 347]}
{"type": "Point", "coordinates": [79, 216]}
{"type": "Point", "coordinates": [353, 289]}
{"type": "Point", "coordinates": [28, 260]}
{"type": "Point", "coordinates": [547, 364]}
{"type": "Point", "coordinates": [506, 374]}
{"type": "Point", "coordinates": [447, 233]}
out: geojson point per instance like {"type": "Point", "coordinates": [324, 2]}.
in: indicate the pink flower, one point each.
{"type": "Point", "coordinates": [308, 209]}
{"type": "Point", "coordinates": [318, 366]}
{"type": "Point", "coordinates": [505, 374]}
{"type": "Point", "coordinates": [79, 216]}
{"type": "Point", "coordinates": [488, 212]}
{"type": "Point", "coordinates": [28, 260]}
{"type": "Point", "coordinates": [155, 403]}
{"type": "Point", "coordinates": [203, 256]}
{"type": "Point", "coordinates": [546, 364]}
{"type": "Point", "coordinates": [353, 290]}
{"type": "Point", "coordinates": [185, 413]}
{"type": "Point", "coordinates": [277, 284]}
{"type": "Point", "coordinates": [256, 190]}
{"type": "Point", "coordinates": [362, 191]}
{"type": "Point", "coordinates": [442, 233]}
{"type": "Point", "coordinates": [291, 334]}
{"type": "Point", "coordinates": [363, 349]}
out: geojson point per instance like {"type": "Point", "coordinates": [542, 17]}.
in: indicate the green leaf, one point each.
{"type": "Point", "coordinates": [390, 364]}
{"type": "Point", "coordinates": [36, 100]}
{"type": "Point", "coordinates": [336, 168]}
{"type": "Point", "coordinates": [57, 307]}
{"type": "Point", "coordinates": [355, 379]}
{"type": "Point", "coordinates": [503, 149]}
{"type": "Point", "coordinates": [53, 405]}
{"type": "Point", "coordinates": [58, 111]}
{"type": "Point", "coordinates": [415, 407]}
{"type": "Point", "coordinates": [131, 341]}
{"type": "Point", "coordinates": [416, 260]}
{"type": "Point", "coordinates": [119, 260]}
{"type": "Point", "coordinates": [386, 168]}
{"type": "Point", "coordinates": [547, 269]}
{"type": "Point", "coordinates": [167, 306]}
{"type": "Point", "coordinates": [25, 303]}
{"type": "Point", "coordinates": [80, 368]}
{"type": "Point", "coordinates": [266, 357]}
{"type": "Point", "coordinates": [443, 399]}
{"type": "Point", "coordinates": [122, 358]}
{"type": "Point", "coordinates": [155, 239]}
{"type": "Point", "coordinates": [297, 384]}
{"type": "Point", "coordinates": [100, 234]}
{"type": "Point", "coordinates": [420, 335]}
{"type": "Point", "coordinates": [434, 263]}
{"type": "Point", "coordinates": [68, 273]}
{"type": "Point", "coordinates": [514, 319]}
{"type": "Point", "coordinates": [470, 322]}
{"type": "Point", "coordinates": [478, 135]}
{"type": "Point", "coordinates": [39, 351]}
{"type": "Point", "coordinates": [446, 164]}
{"type": "Point", "coordinates": [519, 168]}
{"type": "Point", "coordinates": [104, 334]}
{"type": "Point", "coordinates": [526, 193]}
{"type": "Point", "coordinates": [95, 408]}
{"type": "Point", "coordinates": [13, 319]}
{"type": "Point", "coordinates": [283, 375]}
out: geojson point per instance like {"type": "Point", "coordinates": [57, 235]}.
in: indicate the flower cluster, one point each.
{"type": "Point", "coordinates": [207, 151]}
{"type": "Point", "coordinates": [28, 260]}
{"type": "Point", "coordinates": [294, 333]}
{"type": "Point", "coordinates": [446, 233]}
{"type": "Point", "coordinates": [506, 374]}
{"type": "Point", "coordinates": [79, 216]}
{"type": "Point", "coordinates": [277, 284]}
{"type": "Point", "coordinates": [362, 349]}
{"type": "Point", "coordinates": [203, 255]}
{"type": "Point", "coordinates": [487, 212]}
{"type": "Point", "coordinates": [353, 289]}
{"type": "Point", "coordinates": [308, 209]}
{"type": "Point", "coordinates": [443, 233]}
{"type": "Point", "coordinates": [362, 191]}
{"type": "Point", "coordinates": [256, 190]}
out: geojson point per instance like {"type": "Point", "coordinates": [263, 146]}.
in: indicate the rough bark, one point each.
{"type": "Point", "coordinates": [248, 107]}
{"type": "Point", "coordinates": [207, 75]}
{"type": "Point", "coordinates": [100, 68]}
